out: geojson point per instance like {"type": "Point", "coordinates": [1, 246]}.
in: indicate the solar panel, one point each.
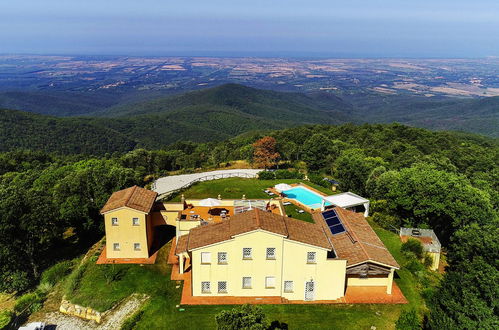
{"type": "Point", "coordinates": [333, 221]}
{"type": "Point", "coordinates": [337, 229]}
{"type": "Point", "coordinates": [328, 214]}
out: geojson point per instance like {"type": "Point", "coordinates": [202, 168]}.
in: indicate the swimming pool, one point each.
{"type": "Point", "coordinates": [305, 196]}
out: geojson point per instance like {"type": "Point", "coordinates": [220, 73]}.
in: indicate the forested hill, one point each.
{"type": "Point", "coordinates": [24, 130]}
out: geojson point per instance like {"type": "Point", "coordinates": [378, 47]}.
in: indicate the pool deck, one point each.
{"type": "Point", "coordinates": [296, 202]}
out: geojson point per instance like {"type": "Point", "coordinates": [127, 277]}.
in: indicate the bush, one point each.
{"type": "Point", "coordinates": [55, 273]}
{"type": "Point", "coordinates": [414, 266]}
{"type": "Point", "coordinates": [408, 320]}
{"type": "Point", "coordinates": [132, 321]}
{"type": "Point", "coordinates": [12, 281]}
{"type": "Point", "coordinates": [285, 174]}
{"type": "Point", "coordinates": [414, 246]}
{"type": "Point", "coordinates": [5, 318]}
{"type": "Point", "coordinates": [242, 317]}
{"type": "Point", "coordinates": [318, 179]}
{"type": "Point", "coordinates": [266, 175]}
{"type": "Point", "coordinates": [385, 220]}
{"type": "Point", "coordinates": [428, 260]}
{"type": "Point", "coordinates": [29, 303]}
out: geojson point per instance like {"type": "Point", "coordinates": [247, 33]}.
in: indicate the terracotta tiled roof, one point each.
{"type": "Point", "coordinates": [135, 197]}
{"type": "Point", "coordinates": [181, 244]}
{"type": "Point", "coordinates": [359, 243]}
{"type": "Point", "coordinates": [290, 228]}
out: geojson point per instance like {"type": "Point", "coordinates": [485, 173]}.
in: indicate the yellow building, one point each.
{"type": "Point", "coordinates": [128, 222]}
{"type": "Point", "coordinates": [264, 254]}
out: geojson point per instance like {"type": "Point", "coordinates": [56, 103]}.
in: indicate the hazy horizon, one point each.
{"type": "Point", "coordinates": [221, 28]}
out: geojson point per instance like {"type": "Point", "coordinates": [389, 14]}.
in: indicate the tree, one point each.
{"type": "Point", "coordinates": [414, 246]}
{"type": "Point", "coordinates": [265, 154]}
{"type": "Point", "coordinates": [353, 169]}
{"type": "Point", "coordinates": [467, 297]}
{"type": "Point", "coordinates": [319, 151]}
{"type": "Point", "coordinates": [245, 317]}
{"type": "Point", "coordinates": [422, 195]}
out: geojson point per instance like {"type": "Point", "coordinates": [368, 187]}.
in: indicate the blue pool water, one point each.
{"type": "Point", "coordinates": [305, 196]}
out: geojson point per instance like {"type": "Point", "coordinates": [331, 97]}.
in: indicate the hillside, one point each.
{"type": "Point", "coordinates": [23, 130]}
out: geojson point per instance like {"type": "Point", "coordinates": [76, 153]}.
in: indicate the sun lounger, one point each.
{"type": "Point", "coordinates": [301, 211]}
{"type": "Point", "coordinates": [287, 203]}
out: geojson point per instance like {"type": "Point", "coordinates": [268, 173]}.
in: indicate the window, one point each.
{"type": "Point", "coordinates": [135, 221]}
{"type": "Point", "coordinates": [311, 257]}
{"type": "Point", "coordinates": [270, 282]}
{"type": "Point", "coordinates": [270, 253]}
{"type": "Point", "coordinates": [246, 253]}
{"type": "Point", "coordinates": [116, 246]}
{"type": "Point", "coordinates": [288, 286]}
{"type": "Point", "coordinates": [222, 287]}
{"type": "Point", "coordinates": [222, 258]}
{"type": "Point", "coordinates": [246, 282]}
{"type": "Point", "coordinates": [114, 221]}
{"type": "Point", "coordinates": [136, 246]}
{"type": "Point", "coordinates": [205, 287]}
{"type": "Point", "coordinates": [205, 257]}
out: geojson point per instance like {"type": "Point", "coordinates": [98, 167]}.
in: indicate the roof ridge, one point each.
{"type": "Point", "coordinates": [257, 217]}
{"type": "Point", "coordinates": [131, 194]}
{"type": "Point", "coordinates": [284, 219]}
{"type": "Point", "coordinates": [352, 233]}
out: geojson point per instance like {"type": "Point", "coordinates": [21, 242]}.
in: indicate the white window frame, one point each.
{"type": "Point", "coordinates": [135, 223]}
{"type": "Point", "coordinates": [288, 286]}
{"type": "Point", "coordinates": [116, 247]}
{"type": "Point", "coordinates": [222, 290]}
{"type": "Point", "coordinates": [270, 256]}
{"type": "Point", "coordinates": [247, 285]}
{"type": "Point", "coordinates": [205, 287]}
{"type": "Point", "coordinates": [222, 258]}
{"type": "Point", "coordinates": [270, 282]}
{"type": "Point", "coordinates": [310, 259]}
{"type": "Point", "coordinates": [205, 258]}
{"type": "Point", "coordinates": [114, 221]}
{"type": "Point", "coordinates": [245, 257]}
{"type": "Point", "coordinates": [135, 248]}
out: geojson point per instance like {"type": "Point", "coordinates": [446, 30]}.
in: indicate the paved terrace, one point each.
{"type": "Point", "coordinates": [169, 184]}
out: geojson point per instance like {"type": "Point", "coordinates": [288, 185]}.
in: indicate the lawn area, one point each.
{"type": "Point", "coordinates": [235, 188]}
{"type": "Point", "coordinates": [291, 210]}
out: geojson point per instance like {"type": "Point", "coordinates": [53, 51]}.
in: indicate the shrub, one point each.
{"type": "Point", "coordinates": [428, 260]}
{"type": "Point", "coordinates": [285, 174]}
{"type": "Point", "coordinates": [12, 281]}
{"type": "Point", "coordinates": [132, 321]}
{"type": "Point", "coordinates": [242, 317]}
{"type": "Point", "coordinates": [414, 266]}
{"type": "Point", "coordinates": [386, 221]}
{"type": "Point", "coordinates": [414, 246]}
{"type": "Point", "coordinates": [319, 180]}
{"type": "Point", "coordinates": [5, 318]}
{"type": "Point", "coordinates": [266, 175]}
{"type": "Point", "coordinates": [55, 273]}
{"type": "Point", "coordinates": [408, 320]}
{"type": "Point", "coordinates": [29, 302]}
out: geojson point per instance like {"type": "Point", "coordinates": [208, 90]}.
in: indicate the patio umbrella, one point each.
{"type": "Point", "coordinates": [209, 202]}
{"type": "Point", "coordinates": [282, 187]}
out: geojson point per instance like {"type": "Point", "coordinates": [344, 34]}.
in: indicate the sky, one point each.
{"type": "Point", "coordinates": [308, 28]}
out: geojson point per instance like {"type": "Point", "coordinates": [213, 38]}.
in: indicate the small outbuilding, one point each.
{"type": "Point", "coordinates": [427, 237]}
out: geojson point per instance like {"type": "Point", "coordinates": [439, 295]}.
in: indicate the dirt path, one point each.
{"type": "Point", "coordinates": [112, 320]}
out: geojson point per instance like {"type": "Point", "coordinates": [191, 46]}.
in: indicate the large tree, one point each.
{"type": "Point", "coordinates": [265, 153]}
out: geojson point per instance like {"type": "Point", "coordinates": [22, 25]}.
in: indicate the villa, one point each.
{"type": "Point", "coordinates": [246, 248]}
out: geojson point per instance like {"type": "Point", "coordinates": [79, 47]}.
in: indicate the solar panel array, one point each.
{"type": "Point", "coordinates": [333, 222]}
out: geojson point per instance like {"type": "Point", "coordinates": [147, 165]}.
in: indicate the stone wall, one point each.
{"type": "Point", "coordinates": [80, 311]}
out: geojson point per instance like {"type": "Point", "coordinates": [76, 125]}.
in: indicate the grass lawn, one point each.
{"type": "Point", "coordinates": [291, 211]}
{"type": "Point", "coordinates": [235, 188]}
